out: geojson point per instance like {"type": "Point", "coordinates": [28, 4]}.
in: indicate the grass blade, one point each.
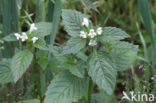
{"type": "Point", "coordinates": [144, 9]}
{"type": "Point", "coordinates": [56, 20]}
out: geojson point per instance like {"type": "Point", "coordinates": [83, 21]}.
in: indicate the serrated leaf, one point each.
{"type": "Point", "coordinates": [20, 62]}
{"type": "Point", "coordinates": [82, 56]}
{"type": "Point", "coordinates": [112, 34]}
{"type": "Point", "coordinates": [74, 45]}
{"type": "Point", "coordinates": [30, 101]}
{"type": "Point", "coordinates": [40, 44]}
{"type": "Point", "coordinates": [66, 88]}
{"type": "Point", "coordinates": [5, 72]}
{"type": "Point", "coordinates": [102, 70]}
{"type": "Point", "coordinates": [77, 69]}
{"type": "Point", "coordinates": [9, 38]}
{"type": "Point", "coordinates": [44, 29]}
{"type": "Point", "coordinates": [124, 54]}
{"type": "Point", "coordinates": [43, 59]}
{"type": "Point", "coordinates": [73, 21]}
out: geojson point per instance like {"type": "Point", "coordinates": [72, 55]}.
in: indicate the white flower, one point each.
{"type": "Point", "coordinates": [92, 43]}
{"type": "Point", "coordinates": [99, 31]}
{"type": "Point", "coordinates": [24, 37]}
{"type": "Point", "coordinates": [32, 27]}
{"type": "Point", "coordinates": [92, 33]}
{"type": "Point", "coordinates": [85, 22]}
{"type": "Point", "coordinates": [34, 39]}
{"type": "Point", "coordinates": [18, 36]}
{"type": "Point", "coordinates": [83, 34]}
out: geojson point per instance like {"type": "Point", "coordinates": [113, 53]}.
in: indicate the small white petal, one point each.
{"type": "Point", "coordinates": [18, 36]}
{"type": "Point", "coordinates": [34, 39]}
{"type": "Point", "coordinates": [83, 34]}
{"type": "Point", "coordinates": [92, 43]}
{"type": "Point", "coordinates": [85, 22]}
{"type": "Point", "coordinates": [24, 37]}
{"type": "Point", "coordinates": [92, 33]}
{"type": "Point", "coordinates": [99, 31]}
{"type": "Point", "coordinates": [33, 27]}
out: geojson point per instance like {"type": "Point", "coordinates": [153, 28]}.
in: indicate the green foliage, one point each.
{"type": "Point", "coordinates": [56, 19]}
{"type": "Point", "coordinates": [40, 44]}
{"type": "Point", "coordinates": [74, 45]}
{"type": "Point", "coordinates": [77, 69]}
{"type": "Point", "coordinates": [5, 72]}
{"type": "Point", "coordinates": [44, 29]}
{"type": "Point", "coordinates": [144, 9]}
{"type": "Point", "coordinates": [90, 5]}
{"type": "Point", "coordinates": [30, 101]}
{"type": "Point", "coordinates": [66, 88]}
{"type": "Point", "coordinates": [73, 21]}
{"type": "Point", "coordinates": [102, 97]}
{"type": "Point", "coordinates": [81, 72]}
{"type": "Point", "coordinates": [103, 71]}
{"type": "Point", "coordinates": [111, 34]}
{"type": "Point", "coordinates": [124, 54]}
{"type": "Point", "coordinates": [20, 63]}
{"type": "Point", "coordinates": [9, 38]}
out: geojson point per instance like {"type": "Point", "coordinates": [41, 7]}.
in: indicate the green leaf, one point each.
{"type": "Point", "coordinates": [9, 38]}
{"type": "Point", "coordinates": [112, 34]}
{"type": "Point", "coordinates": [77, 69]}
{"type": "Point", "coordinates": [20, 62]}
{"type": "Point", "coordinates": [40, 44]}
{"type": "Point", "coordinates": [102, 97]}
{"type": "Point", "coordinates": [102, 70]}
{"type": "Point", "coordinates": [73, 21]}
{"type": "Point", "coordinates": [147, 19]}
{"type": "Point", "coordinates": [5, 72]}
{"type": "Point", "coordinates": [124, 54]}
{"type": "Point", "coordinates": [56, 20]}
{"type": "Point", "coordinates": [43, 59]}
{"type": "Point", "coordinates": [82, 56]}
{"type": "Point", "coordinates": [30, 101]}
{"type": "Point", "coordinates": [44, 29]}
{"type": "Point", "coordinates": [57, 53]}
{"type": "Point", "coordinates": [90, 5]}
{"type": "Point", "coordinates": [66, 88]}
{"type": "Point", "coordinates": [74, 45]}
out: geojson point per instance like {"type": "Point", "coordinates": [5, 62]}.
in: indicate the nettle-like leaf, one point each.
{"type": "Point", "coordinates": [10, 38]}
{"type": "Point", "coordinates": [102, 70]}
{"type": "Point", "coordinates": [66, 88]}
{"type": "Point", "coordinates": [112, 34]}
{"type": "Point", "coordinates": [20, 62]}
{"type": "Point", "coordinates": [74, 45]}
{"type": "Point", "coordinates": [43, 59]}
{"type": "Point", "coordinates": [43, 29]}
{"type": "Point", "coordinates": [73, 21]}
{"type": "Point", "coordinates": [40, 44]}
{"type": "Point", "coordinates": [124, 54]}
{"type": "Point", "coordinates": [77, 69]}
{"type": "Point", "coordinates": [5, 72]}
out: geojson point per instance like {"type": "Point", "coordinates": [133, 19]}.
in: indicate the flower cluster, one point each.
{"type": "Point", "coordinates": [90, 32]}
{"type": "Point", "coordinates": [24, 36]}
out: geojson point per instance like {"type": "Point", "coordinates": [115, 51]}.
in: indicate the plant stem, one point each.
{"type": "Point", "coordinates": [90, 90]}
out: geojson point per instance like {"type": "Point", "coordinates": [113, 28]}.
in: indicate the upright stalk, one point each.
{"type": "Point", "coordinates": [90, 89]}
